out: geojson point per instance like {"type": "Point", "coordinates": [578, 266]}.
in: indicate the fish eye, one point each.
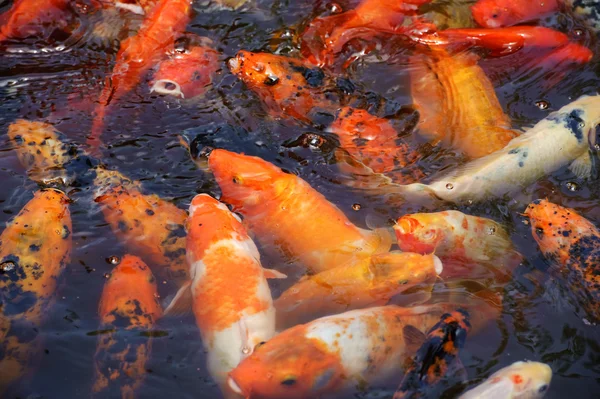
{"type": "Point", "coordinates": [429, 235]}
{"type": "Point", "coordinates": [271, 80]}
{"type": "Point", "coordinates": [182, 45]}
{"type": "Point", "coordinates": [236, 180]}
{"type": "Point", "coordinates": [289, 381]}
{"type": "Point", "coordinates": [540, 232]}
{"type": "Point", "coordinates": [543, 388]}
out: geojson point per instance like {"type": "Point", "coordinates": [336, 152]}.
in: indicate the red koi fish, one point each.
{"type": "Point", "coordinates": [326, 37]}
{"type": "Point", "coordinates": [501, 13]}
{"type": "Point", "coordinates": [34, 252]}
{"type": "Point", "coordinates": [334, 354]}
{"type": "Point", "coordinates": [32, 17]}
{"type": "Point", "coordinates": [284, 212]}
{"type": "Point", "coordinates": [571, 241]}
{"type": "Point", "coordinates": [186, 73]}
{"type": "Point", "coordinates": [437, 355]}
{"type": "Point", "coordinates": [231, 298]}
{"type": "Point", "coordinates": [128, 309]}
{"type": "Point", "coordinates": [137, 55]}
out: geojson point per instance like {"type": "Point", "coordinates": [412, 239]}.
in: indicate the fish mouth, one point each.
{"type": "Point", "coordinates": [167, 87]}
{"type": "Point", "coordinates": [234, 386]}
{"type": "Point", "coordinates": [235, 64]}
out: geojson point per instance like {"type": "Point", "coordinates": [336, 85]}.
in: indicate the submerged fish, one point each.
{"type": "Point", "coordinates": [457, 104]}
{"type": "Point", "coordinates": [231, 298]}
{"type": "Point", "coordinates": [32, 17]}
{"type": "Point", "coordinates": [437, 355]}
{"type": "Point", "coordinates": [286, 213]}
{"type": "Point", "coordinates": [128, 310]}
{"type": "Point", "coordinates": [338, 353]}
{"type": "Point", "coordinates": [479, 244]}
{"type": "Point", "coordinates": [572, 242]}
{"type": "Point", "coordinates": [500, 13]}
{"type": "Point", "coordinates": [34, 252]}
{"type": "Point", "coordinates": [137, 55]}
{"type": "Point", "coordinates": [520, 380]}
{"type": "Point", "coordinates": [372, 282]}
{"type": "Point", "coordinates": [565, 137]}
{"type": "Point", "coordinates": [147, 225]}
{"type": "Point", "coordinates": [188, 70]}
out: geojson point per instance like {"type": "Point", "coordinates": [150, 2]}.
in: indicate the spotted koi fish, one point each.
{"type": "Point", "coordinates": [566, 137]}
{"type": "Point", "coordinates": [128, 310]}
{"type": "Point", "coordinates": [34, 251]}
{"type": "Point", "coordinates": [231, 298]}
{"type": "Point", "coordinates": [285, 213]}
{"type": "Point", "coordinates": [147, 225]}
{"type": "Point", "coordinates": [520, 380]}
{"type": "Point", "coordinates": [372, 282]}
{"type": "Point", "coordinates": [334, 354]}
{"type": "Point", "coordinates": [436, 356]}
{"type": "Point", "coordinates": [462, 241]}
{"type": "Point", "coordinates": [571, 241]}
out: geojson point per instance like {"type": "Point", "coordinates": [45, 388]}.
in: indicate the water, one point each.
{"type": "Point", "coordinates": [37, 80]}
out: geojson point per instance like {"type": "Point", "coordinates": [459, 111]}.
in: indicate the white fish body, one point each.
{"type": "Point", "coordinates": [563, 138]}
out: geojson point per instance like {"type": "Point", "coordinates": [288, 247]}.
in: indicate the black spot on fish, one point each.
{"type": "Point", "coordinates": [122, 226]}
{"type": "Point", "coordinates": [573, 122]}
{"type": "Point", "coordinates": [345, 85]}
{"type": "Point", "coordinates": [34, 248]}
{"type": "Point", "coordinates": [149, 212]}
{"type": "Point", "coordinates": [521, 164]}
{"type": "Point", "coordinates": [173, 255]}
{"type": "Point", "coordinates": [566, 233]}
{"type": "Point", "coordinates": [514, 151]}
{"type": "Point", "coordinates": [313, 76]}
{"type": "Point", "coordinates": [176, 230]}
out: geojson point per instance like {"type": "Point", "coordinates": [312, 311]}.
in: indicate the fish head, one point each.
{"type": "Point", "coordinates": [246, 181]}
{"type": "Point", "coordinates": [493, 14]}
{"type": "Point", "coordinates": [529, 379]}
{"type": "Point", "coordinates": [420, 233]}
{"type": "Point", "coordinates": [287, 366]}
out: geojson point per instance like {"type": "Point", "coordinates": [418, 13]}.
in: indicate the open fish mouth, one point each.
{"type": "Point", "coordinates": [167, 87]}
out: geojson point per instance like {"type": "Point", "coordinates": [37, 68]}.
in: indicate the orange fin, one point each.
{"type": "Point", "coordinates": [181, 303]}
{"type": "Point", "coordinates": [271, 273]}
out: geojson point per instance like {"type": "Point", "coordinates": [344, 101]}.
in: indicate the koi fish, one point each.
{"type": "Point", "coordinates": [34, 251]}
{"type": "Point", "coordinates": [527, 380]}
{"type": "Point", "coordinates": [231, 298]}
{"type": "Point", "coordinates": [128, 310]}
{"type": "Point", "coordinates": [41, 150]}
{"type": "Point", "coordinates": [147, 225]}
{"type": "Point", "coordinates": [187, 72]}
{"type": "Point", "coordinates": [325, 37]}
{"type": "Point", "coordinates": [141, 7]}
{"type": "Point", "coordinates": [457, 104]}
{"type": "Point", "coordinates": [32, 17]}
{"type": "Point", "coordinates": [500, 13]}
{"type": "Point", "coordinates": [374, 142]}
{"type": "Point", "coordinates": [437, 354]}
{"type": "Point", "coordinates": [459, 238]}
{"type": "Point", "coordinates": [571, 241]}
{"type": "Point", "coordinates": [372, 282]}
{"type": "Point", "coordinates": [333, 354]}
{"type": "Point", "coordinates": [287, 86]}
{"type": "Point", "coordinates": [565, 137]}
{"type": "Point", "coordinates": [284, 212]}
{"type": "Point", "coordinates": [138, 54]}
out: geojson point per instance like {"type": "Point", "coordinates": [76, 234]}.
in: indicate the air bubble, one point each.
{"type": "Point", "coordinates": [526, 222]}
{"type": "Point", "coordinates": [449, 186]}
{"type": "Point", "coordinates": [571, 186]}
{"type": "Point", "coordinates": [334, 8]}
{"type": "Point", "coordinates": [106, 275]}
{"type": "Point", "coordinates": [542, 104]}
{"type": "Point", "coordinates": [113, 260]}
{"type": "Point", "coordinates": [246, 350]}
{"type": "Point", "coordinates": [356, 207]}
{"type": "Point", "coordinates": [492, 230]}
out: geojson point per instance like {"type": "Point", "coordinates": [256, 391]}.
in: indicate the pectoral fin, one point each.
{"type": "Point", "coordinates": [586, 165]}
{"type": "Point", "coordinates": [413, 338]}
{"type": "Point", "coordinates": [182, 302]}
{"type": "Point", "coordinates": [271, 273]}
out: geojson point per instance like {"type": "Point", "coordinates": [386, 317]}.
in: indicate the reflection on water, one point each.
{"type": "Point", "coordinates": [55, 80]}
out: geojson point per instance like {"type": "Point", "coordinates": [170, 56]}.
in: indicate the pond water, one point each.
{"type": "Point", "coordinates": [58, 80]}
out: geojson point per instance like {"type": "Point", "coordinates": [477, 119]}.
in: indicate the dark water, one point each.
{"type": "Point", "coordinates": [538, 322]}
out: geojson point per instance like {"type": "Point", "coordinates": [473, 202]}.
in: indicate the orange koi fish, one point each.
{"type": "Point", "coordinates": [41, 150]}
{"type": "Point", "coordinates": [374, 142]}
{"type": "Point", "coordinates": [500, 13]}
{"type": "Point", "coordinates": [520, 380]}
{"type": "Point", "coordinates": [372, 282]}
{"type": "Point", "coordinates": [571, 241]}
{"type": "Point", "coordinates": [459, 239]}
{"type": "Point", "coordinates": [437, 354]}
{"type": "Point", "coordinates": [128, 309]}
{"type": "Point", "coordinates": [149, 226]}
{"type": "Point", "coordinates": [231, 298]}
{"type": "Point", "coordinates": [287, 87]}
{"type": "Point", "coordinates": [32, 17]}
{"type": "Point", "coordinates": [34, 251]}
{"type": "Point", "coordinates": [333, 354]}
{"type": "Point", "coordinates": [457, 105]}
{"type": "Point", "coordinates": [138, 54]}
{"type": "Point", "coordinates": [284, 212]}
{"type": "Point", "coordinates": [187, 72]}
{"type": "Point", "coordinates": [326, 37]}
